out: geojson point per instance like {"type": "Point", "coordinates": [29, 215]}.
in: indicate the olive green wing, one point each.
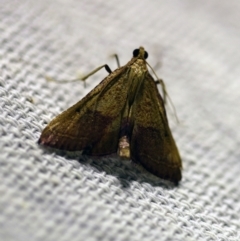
{"type": "Point", "coordinates": [152, 143]}
{"type": "Point", "coordinates": [93, 123]}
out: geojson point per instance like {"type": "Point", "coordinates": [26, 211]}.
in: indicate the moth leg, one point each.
{"type": "Point", "coordinates": [117, 59]}
{"type": "Point", "coordinates": [158, 65]}
{"type": "Point", "coordinates": [82, 78]}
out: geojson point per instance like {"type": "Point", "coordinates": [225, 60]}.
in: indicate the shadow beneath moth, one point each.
{"type": "Point", "coordinates": [124, 114]}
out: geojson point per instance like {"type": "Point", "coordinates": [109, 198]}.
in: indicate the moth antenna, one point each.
{"type": "Point", "coordinates": [160, 81]}
{"type": "Point", "coordinates": [165, 93]}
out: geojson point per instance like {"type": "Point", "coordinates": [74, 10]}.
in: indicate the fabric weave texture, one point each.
{"type": "Point", "coordinates": [49, 195]}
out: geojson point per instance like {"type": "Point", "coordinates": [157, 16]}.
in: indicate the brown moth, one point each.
{"type": "Point", "coordinates": [125, 113]}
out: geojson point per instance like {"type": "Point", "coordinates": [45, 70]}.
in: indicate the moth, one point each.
{"type": "Point", "coordinates": [124, 114]}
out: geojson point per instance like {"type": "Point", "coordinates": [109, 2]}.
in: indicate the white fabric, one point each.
{"type": "Point", "coordinates": [49, 196]}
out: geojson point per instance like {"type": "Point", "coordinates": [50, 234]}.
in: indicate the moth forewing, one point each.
{"type": "Point", "coordinates": [93, 122]}
{"type": "Point", "coordinates": [152, 143]}
{"type": "Point", "coordinates": [125, 114]}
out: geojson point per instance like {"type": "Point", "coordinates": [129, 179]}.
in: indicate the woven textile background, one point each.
{"type": "Point", "coordinates": [47, 195]}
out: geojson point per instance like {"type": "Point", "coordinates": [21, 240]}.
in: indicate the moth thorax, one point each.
{"type": "Point", "coordinates": [124, 147]}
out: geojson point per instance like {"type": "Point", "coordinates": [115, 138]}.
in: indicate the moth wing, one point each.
{"type": "Point", "coordinates": [152, 143]}
{"type": "Point", "coordinates": [93, 123]}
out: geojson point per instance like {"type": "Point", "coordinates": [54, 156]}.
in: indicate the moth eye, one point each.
{"type": "Point", "coordinates": [145, 54]}
{"type": "Point", "coordinates": [135, 52]}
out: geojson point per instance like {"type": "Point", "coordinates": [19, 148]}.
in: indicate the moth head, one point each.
{"type": "Point", "coordinates": [140, 53]}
